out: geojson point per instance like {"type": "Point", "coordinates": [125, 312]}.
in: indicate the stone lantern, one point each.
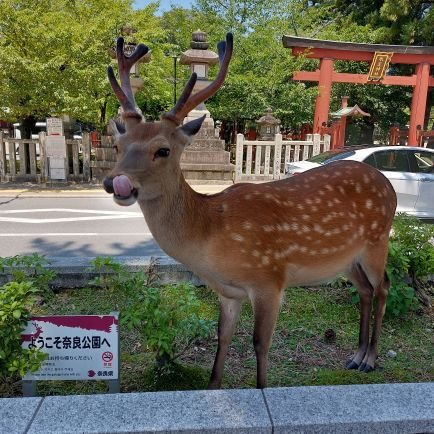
{"type": "Point", "coordinates": [136, 82]}
{"type": "Point", "coordinates": [268, 126]}
{"type": "Point", "coordinates": [200, 58]}
{"type": "Point", "coordinates": [206, 159]}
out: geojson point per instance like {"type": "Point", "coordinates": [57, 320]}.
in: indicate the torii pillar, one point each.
{"type": "Point", "coordinates": [322, 103]}
{"type": "Point", "coordinates": [418, 101]}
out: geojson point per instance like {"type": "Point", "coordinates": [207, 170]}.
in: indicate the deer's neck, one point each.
{"type": "Point", "coordinates": [177, 218]}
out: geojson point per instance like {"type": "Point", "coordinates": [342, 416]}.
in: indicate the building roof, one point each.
{"type": "Point", "coordinates": [350, 111]}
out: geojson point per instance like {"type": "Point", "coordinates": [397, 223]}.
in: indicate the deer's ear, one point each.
{"type": "Point", "coordinates": [116, 128]}
{"type": "Point", "coordinates": [191, 128]}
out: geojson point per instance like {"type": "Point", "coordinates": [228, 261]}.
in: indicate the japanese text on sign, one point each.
{"type": "Point", "coordinates": [79, 347]}
{"type": "Point", "coordinates": [379, 66]}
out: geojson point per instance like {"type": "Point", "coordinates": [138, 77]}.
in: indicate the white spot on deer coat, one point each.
{"type": "Point", "coordinates": [247, 225]}
{"type": "Point", "coordinates": [237, 237]}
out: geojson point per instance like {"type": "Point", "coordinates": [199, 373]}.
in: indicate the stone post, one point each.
{"type": "Point", "coordinates": [86, 156]}
{"type": "Point", "coordinates": [277, 155]}
{"type": "Point", "coordinates": [43, 156]}
{"type": "Point", "coordinates": [2, 159]}
{"type": "Point", "coordinates": [316, 144]}
{"type": "Point", "coordinates": [239, 157]}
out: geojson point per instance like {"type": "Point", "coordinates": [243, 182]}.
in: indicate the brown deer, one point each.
{"type": "Point", "coordinates": [252, 241]}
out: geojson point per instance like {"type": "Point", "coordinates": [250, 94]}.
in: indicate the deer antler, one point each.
{"type": "Point", "coordinates": [186, 101]}
{"type": "Point", "coordinates": [124, 93]}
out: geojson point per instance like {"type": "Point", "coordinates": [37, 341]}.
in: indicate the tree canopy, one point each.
{"type": "Point", "coordinates": [54, 54]}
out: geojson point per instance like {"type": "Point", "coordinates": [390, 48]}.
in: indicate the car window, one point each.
{"type": "Point", "coordinates": [371, 160]}
{"type": "Point", "coordinates": [329, 156]}
{"type": "Point", "coordinates": [392, 160]}
{"type": "Point", "coordinates": [424, 161]}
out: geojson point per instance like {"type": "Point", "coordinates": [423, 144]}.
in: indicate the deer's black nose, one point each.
{"type": "Point", "coordinates": [108, 185]}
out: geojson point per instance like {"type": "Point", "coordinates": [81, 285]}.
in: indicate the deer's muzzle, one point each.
{"type": "Point", "coordinates": [123, 191]}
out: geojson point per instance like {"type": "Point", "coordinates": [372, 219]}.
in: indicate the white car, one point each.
{"type": "Point", "coordinates": [409, 169]}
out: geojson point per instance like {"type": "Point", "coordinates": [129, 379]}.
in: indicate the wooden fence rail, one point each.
{"type": "Point", "coordinates": [266, 160]}
{"type": "Point", "coordinates": [24, 160]}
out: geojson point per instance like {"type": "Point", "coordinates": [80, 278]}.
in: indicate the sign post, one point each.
{"type": "Point", "coordinates": [79, 347]}
{"type": "Point", "coordinates": [56, 149]}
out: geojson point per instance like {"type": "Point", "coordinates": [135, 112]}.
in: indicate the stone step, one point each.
{"type": "Point", "coordinates": [205, 156]}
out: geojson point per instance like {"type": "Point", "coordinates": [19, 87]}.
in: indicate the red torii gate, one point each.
{"type": "Point", "coordinates": [329, 51]}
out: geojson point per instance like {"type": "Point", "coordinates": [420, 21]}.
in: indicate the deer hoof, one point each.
{"type": "Point", "coordinates": [364, 367]}
{"type": "Point", "coordinates": [352, 365]}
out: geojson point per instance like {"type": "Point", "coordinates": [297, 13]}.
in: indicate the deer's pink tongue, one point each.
{"type": "Point", "coordinates": [122, 186]}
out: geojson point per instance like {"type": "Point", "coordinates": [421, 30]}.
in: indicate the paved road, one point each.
{"type": "Point", "coordinates": [72, 226]}
{"type": "Point", "coordinates": [74, 223]}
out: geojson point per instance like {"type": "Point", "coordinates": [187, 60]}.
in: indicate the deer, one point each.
{"type": "Point", "coordinates": [252, 241]}
{"type": "Point", "coordinates": [31, 337]}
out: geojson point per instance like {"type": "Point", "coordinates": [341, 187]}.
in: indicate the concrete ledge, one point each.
{"type": "Point", "coordinates": [16, 414]}
{"type": "Point", "coordinates": [376, 408]}
{"type": "Point", "coordinates": [74, 272]}
{"type": "Point", "coordinates": [380, 408]}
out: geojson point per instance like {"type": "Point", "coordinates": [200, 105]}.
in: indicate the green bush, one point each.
{"type": "Point", "coordinates": [168, 318]}
{"type": "Point", "coordinates": [16, 299]}
{"type": "Point", "coordinates": [32, 268]}
{"type": "Point", "coordinates": [410, 262]}
{"type": "Point", "coordinates": [29, 285]}
{"type": "Point", "coordinates": [413, 241]}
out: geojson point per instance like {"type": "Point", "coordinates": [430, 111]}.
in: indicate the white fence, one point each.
{"type": "Point", "coordinates": [266, 160]}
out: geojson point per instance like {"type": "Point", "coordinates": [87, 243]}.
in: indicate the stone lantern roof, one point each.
{"type": "Point", "coordinates": [268, 118]}
{"type": "Point", "coordinates": [199, 52]}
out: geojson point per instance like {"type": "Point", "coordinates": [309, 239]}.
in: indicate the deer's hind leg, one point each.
{"type": "Point", "coordinates": [371, 281]}
{"type": "Point", "coordinates": [366, 293]}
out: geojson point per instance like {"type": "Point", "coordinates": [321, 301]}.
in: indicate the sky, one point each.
{"type": "Point", "coordinates": [164, 4]}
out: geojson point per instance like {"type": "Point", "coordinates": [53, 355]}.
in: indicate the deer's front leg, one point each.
{"type": "Point", "coordinates": [266, 309]}
{"type": "Point", "coordinates": [229, 311]}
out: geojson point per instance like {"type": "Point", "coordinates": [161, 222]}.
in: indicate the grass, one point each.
{"type": "Point", "coordinates": [300, 354]}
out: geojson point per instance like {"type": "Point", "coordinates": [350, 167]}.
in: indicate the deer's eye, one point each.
{"type": "Point", "coordinates": [163, 152]}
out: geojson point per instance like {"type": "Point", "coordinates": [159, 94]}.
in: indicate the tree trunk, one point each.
{"type": "Point", "coordinates": [27, 126]}
{"type": "Point", "coordinates": [103, 113]}
{"type": "Point", "coordinates": [421, 292]}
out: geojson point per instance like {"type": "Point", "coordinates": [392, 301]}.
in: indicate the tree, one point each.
{"type": "Point", "coordinates": [54, 55]}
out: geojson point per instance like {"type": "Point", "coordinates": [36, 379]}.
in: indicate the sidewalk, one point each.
{"type": "Point", "coordinates": [81, 190]}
